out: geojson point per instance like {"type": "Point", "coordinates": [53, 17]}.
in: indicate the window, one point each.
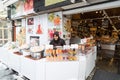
{"type": "Point", "coordinates": [5, 33]}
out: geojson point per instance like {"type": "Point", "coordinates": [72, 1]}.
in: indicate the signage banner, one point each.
{"type": "Point", "coordinates": [16, 9]}
{"type": "Point", "coordinates": [51, 2]}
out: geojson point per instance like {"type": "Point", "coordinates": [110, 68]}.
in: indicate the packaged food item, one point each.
{"type": "Point", "coordinates": [61, 54]}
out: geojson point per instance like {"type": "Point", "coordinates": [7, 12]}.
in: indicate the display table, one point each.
{"type": "Point", "coordinates": [73, 70]}
{"type": "Point", "coordinates": [4, 58]}
{"type": "Point", "coordinates": [45, 70]}
{"type": "Point", "coordinates": [14, 61]}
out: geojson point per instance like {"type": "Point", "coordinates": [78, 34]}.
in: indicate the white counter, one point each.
{"type": "Point", "coordinates": [44, 70]}
{"type": "Point", "coordinates": [62, 70]}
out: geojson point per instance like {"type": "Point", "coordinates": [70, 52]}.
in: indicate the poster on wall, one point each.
{"type": "Point", "coordinates": [54, 24]}
{"type": "Point", "coordinates": [34, 41]}
{"type": "Point", "coordinates": [30, 21]}
{"type": "Point", "coordinates": [30, 29]}
{"type": "Point", "coordinates": [30, 25]}
{"type": "Point", "coordinates": [51, 2]}
{"type": "Point", "coordinates": [28, 5]}
{"type": "Point", "coordinates": [51, 32]}
{"type": "Point", "coordinates": [21, 7]}
{"type": "Point", "coordinates": [39, 29]}
{"type": "Point", "coordinates": [55, 20]}
{"type": "Point", "coordinates": [20, 35]}
{"type": "Point", "coordinates": [17, 9]}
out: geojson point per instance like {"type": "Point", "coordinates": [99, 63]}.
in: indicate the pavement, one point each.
{"type": "Point", "coordinates": [8, 74]}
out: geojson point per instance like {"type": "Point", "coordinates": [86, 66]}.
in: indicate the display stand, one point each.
{"type": "Point", "coordinates": [14, 61]}
{"type": "Point", "coordinates": [44, 70]}
{"type": "Point", "coordinates": [62, 70]}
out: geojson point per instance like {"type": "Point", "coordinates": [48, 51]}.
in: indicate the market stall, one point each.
{"type": "Point", "coordinates": [35, 68]}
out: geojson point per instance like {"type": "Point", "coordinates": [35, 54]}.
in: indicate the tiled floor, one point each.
{"type": "Point", "coordinates": [7, 74]}
{"type": "Point", "coordinates": [106, 64]}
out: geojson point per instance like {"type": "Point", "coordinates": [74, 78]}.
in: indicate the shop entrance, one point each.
{"type": "Point", "coordinates": [104, 26]}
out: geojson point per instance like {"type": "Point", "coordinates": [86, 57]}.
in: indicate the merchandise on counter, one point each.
{"type": "Point", "coordinates": [37, 52]}
{"type": "Point", "coordinates": [70, 52]}
{"type": "Point", "coordinates": [37, 49]}
{"type": "Point", "coordinates": [87, 46]}
{"type": "Point", "coordinates": [24, 46]}
{"type": "Point", "coordinates": [65, 53]}
{"type": "Point", "coordinates": [11, 46]}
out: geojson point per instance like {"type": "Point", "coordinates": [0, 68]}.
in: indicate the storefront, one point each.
{"type": "Point", "coordinates": [31, 55]}
{"type": "Point", "coordinates": [102, 23]}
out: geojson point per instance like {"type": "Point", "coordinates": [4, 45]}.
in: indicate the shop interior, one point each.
{"type": "Point", "coordinates": [104, 27]}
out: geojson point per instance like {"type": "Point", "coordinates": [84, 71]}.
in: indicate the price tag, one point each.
{"type": "Point", "coordinates": [74, 46]}
{"type": "Point", "coordinates": [66, 47]}
{"type": "Point", "coordinates": [49, 47]}
{"type": "Point", "coordinates": [83, 41]}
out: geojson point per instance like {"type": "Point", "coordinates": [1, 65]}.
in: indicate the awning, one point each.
{"type": "Point", "coordinates": [101, 6]}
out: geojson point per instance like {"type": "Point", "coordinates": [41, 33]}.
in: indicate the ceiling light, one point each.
{"type": "Point", "coordinates": [96, 12]}
{"type": "Point", "coordinates": [82, 13]}
{"type": "Point", "coordinates": [100, 11]}
{"type": "Point", "coordinates": [119, 18]}
{"type": "Point", "coordinates": [102, 19]}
